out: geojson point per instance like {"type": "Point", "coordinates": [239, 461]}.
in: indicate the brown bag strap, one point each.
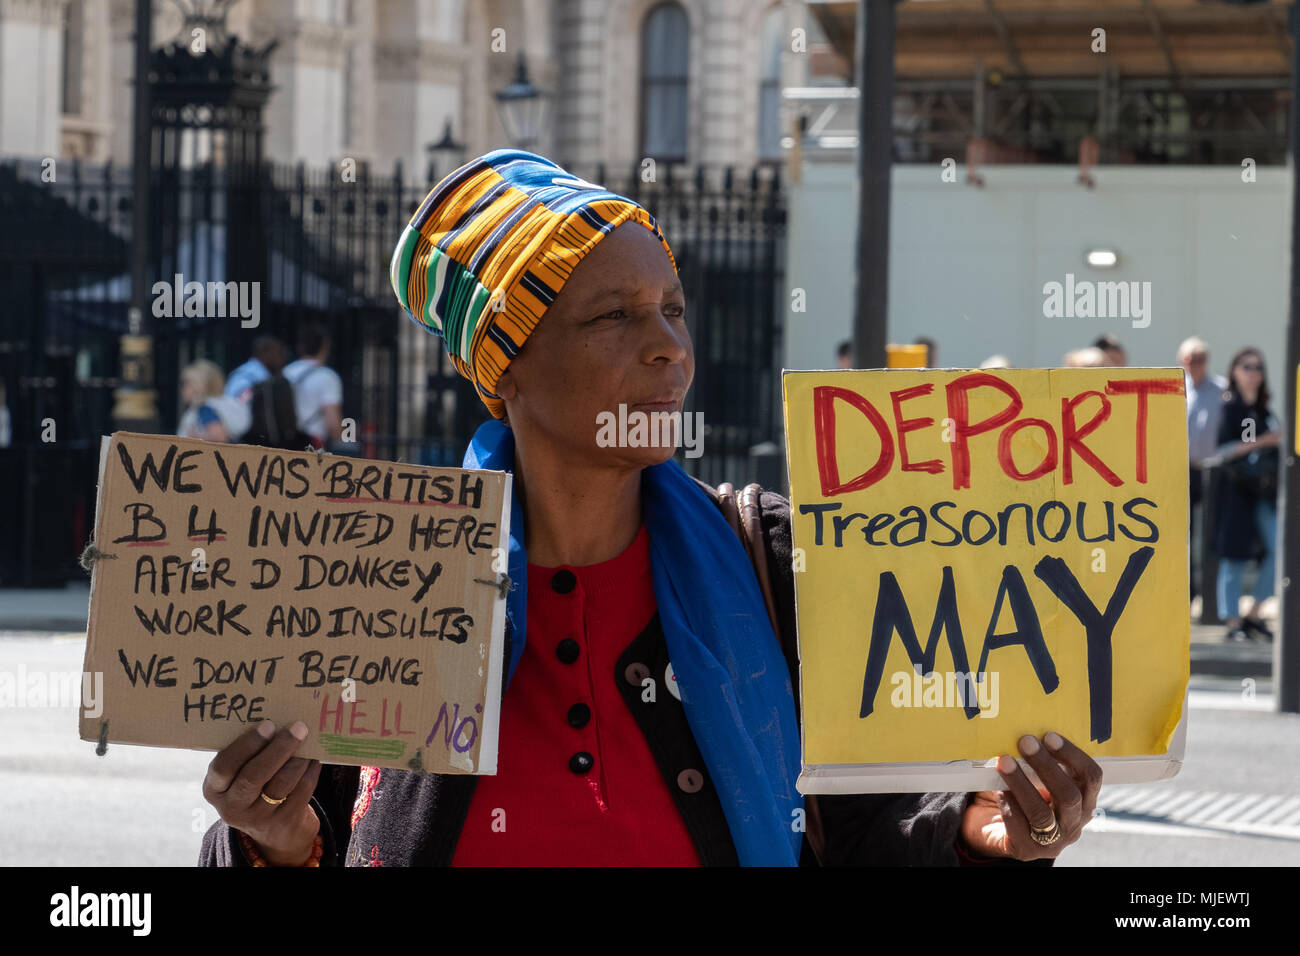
{"type": "Point", "coordinates": [726, 495]}
{"type": "Point", "coordinates": [751, 524]}
{"type": "Point", "coordinates": [744, 512]}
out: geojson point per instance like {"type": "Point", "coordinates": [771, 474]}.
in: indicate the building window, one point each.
{"type": "Point", "coordinates": [346, 125]}
{"type": "Point", "coordinates": [665, 55]}
{"type": "Point", "coordinates": [73, 33]}
{"type": "Point", "coordinates": [771, 43]}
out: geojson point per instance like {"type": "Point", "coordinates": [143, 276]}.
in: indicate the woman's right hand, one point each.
{"type": "Point", "coordinates": [262, 761]}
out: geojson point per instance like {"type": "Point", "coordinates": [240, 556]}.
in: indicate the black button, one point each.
{"type": "Point", "coordinates": [579, 715]}
{"type": "Point", "coordinates": [564, 581]}
{"type": "Point", "coordinates": [581, 762]}
{"type": "Point", "coordinates": [567, 650]}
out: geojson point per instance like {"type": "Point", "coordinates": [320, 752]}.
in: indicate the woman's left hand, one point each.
{"type": "Point", "coordinates": [997, 823]}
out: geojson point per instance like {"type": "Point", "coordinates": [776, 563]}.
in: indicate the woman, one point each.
{"type": "Point", "coordinates": [561, 301]}
{"type": "Point", "coordinates": [209, 414]}
{"type": "Point", "coordinates": [1246, 506]}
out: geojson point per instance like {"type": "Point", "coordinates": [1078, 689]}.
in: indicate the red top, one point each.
{"type": "Point", "coordinates": [576, 784]}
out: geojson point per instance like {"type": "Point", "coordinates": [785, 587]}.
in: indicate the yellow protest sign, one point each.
{"type": "Point", "coordinates": [981, 555]}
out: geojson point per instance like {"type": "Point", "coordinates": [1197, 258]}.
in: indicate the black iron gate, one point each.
{"type": "Point", "coordinates": [727, 231]}
{"type": "Point", "coordinates": [62, 248]}
{"type": "Point", "coordinates": [325, 242]}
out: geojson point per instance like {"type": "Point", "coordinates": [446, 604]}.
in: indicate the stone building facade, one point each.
{"type": "Point", "coordinates": [376, 80]}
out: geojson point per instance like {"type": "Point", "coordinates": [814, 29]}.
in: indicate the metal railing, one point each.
{"type": "Point", "coordinates": [1200, 120]}
{"type": "Point", "coordinates": [323, 246]}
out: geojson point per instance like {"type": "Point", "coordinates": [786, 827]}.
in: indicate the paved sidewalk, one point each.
{"type": "Point", "coordinates": [1212, 654]}
{"type": "Point", "coordinates": [63, 611]}
{"type": "Point", "coordinates": [50, 610]}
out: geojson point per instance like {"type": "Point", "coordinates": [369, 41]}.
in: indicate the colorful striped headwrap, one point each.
{"type": "Point", "coordinates": [490, 248]}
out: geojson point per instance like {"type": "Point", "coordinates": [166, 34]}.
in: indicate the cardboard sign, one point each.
{"type": "Point", "coordinates": [982, 555]}
{"type": "Point", "coordinates": [251, 583]}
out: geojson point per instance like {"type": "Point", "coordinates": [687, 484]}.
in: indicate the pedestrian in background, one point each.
{"type": "Point", "coordinates": [1246, 506]}
{"type": "Point", "coordinates": [210, 414]}
{"type": "Point", "coordinates": [317, 388]}
{"type": "Point", "coordinates": [1204, 412]}
{"type": "Point", "coordinates": [1085, 358]}
{"type": "Point", "coordinates": [1116, 357]}
{"type": "Point", "coordinates": [271, 401]}
{"type": "Point", "coordinates": [844, 355]}
{"type": "Point", "coordinates": [269, 356]}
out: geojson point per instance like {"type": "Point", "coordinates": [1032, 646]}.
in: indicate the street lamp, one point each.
{"type": "Point", "coordinates": [447, 154]}
{"type": "Point", "coordinates": [135, 403]}
{"type": "Point", "coordinates": [521, 105]}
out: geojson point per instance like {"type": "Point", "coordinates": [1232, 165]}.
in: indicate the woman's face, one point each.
{"type": "Point", "coordinates": [615, 335]}
{"type": "Point", "coordinates": [1248, 373]}
{"type": "Point", "coordinates": [190, 390]}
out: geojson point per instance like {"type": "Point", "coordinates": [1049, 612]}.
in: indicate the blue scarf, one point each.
{"type": "Point", "coordinates": [733, 679]}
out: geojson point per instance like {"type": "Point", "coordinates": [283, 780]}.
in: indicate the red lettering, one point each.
{"type": "Point", "coordinates": [352, 720]}
{"type": "Point", "coordinates": [397, 721]}
{"type": "Point", "coordinates": [1142, 387]}
{"type": "Point", "coordinates": [828, 468]}
{"type": "Point", "coordinates": [904, 425]}
{"type": "Point", "coordinates": [326, 710]}
{"type": "Point", "coordinates": [1009, 464]}
{"type": "Point", "coordinates": [1072, 438]}
{"type": "Point", "coordinates": [959, 411]}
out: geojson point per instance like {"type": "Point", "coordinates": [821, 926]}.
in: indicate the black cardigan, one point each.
{"type": "Point", "coordinates": [1236, 536]}
{"type": "Point", "coordinates": [416, 818]}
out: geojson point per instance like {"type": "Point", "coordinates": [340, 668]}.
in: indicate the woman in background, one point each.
{"type": "Point", "coordinates": [1247, 497]}
{"type": "Point", "coordinates": [210, 414]}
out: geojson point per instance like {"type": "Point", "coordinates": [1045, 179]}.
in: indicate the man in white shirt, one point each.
{"type": "Point", "coordinates": [1204, 410]}
{"type": "Point", "coordinates": [317, 389]}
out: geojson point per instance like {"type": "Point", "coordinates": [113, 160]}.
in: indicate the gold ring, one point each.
{"type": "Point", "coordinates": [274, 803]}
{"type": "Point", "coordinates": [1048, 836]}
